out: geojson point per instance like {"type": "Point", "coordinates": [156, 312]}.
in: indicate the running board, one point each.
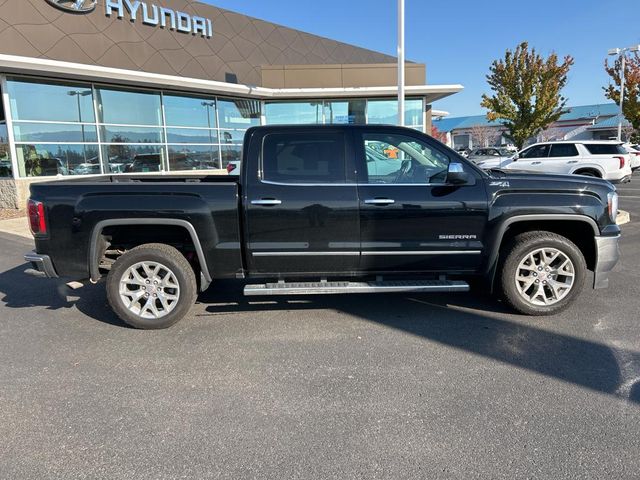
{"type": "Point", "coordinates": [333, 288]}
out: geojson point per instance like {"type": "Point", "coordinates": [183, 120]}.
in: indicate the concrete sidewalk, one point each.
{"type": "Point", "coordinates": [16, 226]}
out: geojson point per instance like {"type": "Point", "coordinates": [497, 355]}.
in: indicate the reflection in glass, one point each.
{"type": "Point", "coordinates": [32, 100]}
{"type": "Point", "coordinates": [132, 158]}
{"type": "Point", "coordinates": [347, 112]}
{"type": "Point", "coordinates": [37, 160]}
{"type": "Point", "coordinates": [194, 157]}
{"type": "Point", "coordinates": [189, 111]}
{"type": "Point", "coordinates": [6, 169]}
{"type": "Point", "coordinates": [131, 135]}
{"type": "Point", "coordinates": [231, 153]}
{"type": "Point", "coordinates": [232, 136]}
{"type": "Point", "coordinates": [54, 132]}
{"type": "Point", "coordinates": [293, 113]}
{"type": "Point", "coordinates": [386, 112]}
{"type": "Point", "coordinates": [129, 108]}
{"type": "Point", "coordinates": [186, 135]}
{"type": "Point", "coordinates": [238, 113]}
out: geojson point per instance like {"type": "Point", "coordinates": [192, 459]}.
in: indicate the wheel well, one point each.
{"type": "Point", "coordinates": [580, 233]}
{"type": "Point", "coordinates": [116, 240]}
{"type": "Point", "coordinates": [593, 171]}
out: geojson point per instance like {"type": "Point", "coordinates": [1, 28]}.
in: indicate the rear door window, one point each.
{"type": "Point", "coordinates": [309, 157]}
{"type": "Point", "coordinates": [563, 150]}
{"type": "Point", "coordinates": [537, 151]}
{"type": "Point", "coordinates": [604, 149]}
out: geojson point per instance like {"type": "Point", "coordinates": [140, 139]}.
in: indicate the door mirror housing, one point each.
{"type": "Point", "coordinates": [456, 175]}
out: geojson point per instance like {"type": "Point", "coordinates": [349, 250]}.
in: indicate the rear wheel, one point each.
{"type": "Point", "coordinates": [151, 286]}
{"type": "Point", "coordinates": [543, 273]}
{"type": "Point", "coordinates": [588, 173]}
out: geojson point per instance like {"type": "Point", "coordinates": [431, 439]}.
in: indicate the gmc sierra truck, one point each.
{"type": "Point", "coordinates": [327, 210]}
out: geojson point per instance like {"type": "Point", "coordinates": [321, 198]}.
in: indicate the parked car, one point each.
{"type": "Point", "coordinates": [491, 157]}
{"type": "Point", "coordinates": [634, 152]}
{"type": "Point", "coordinates": [593, 158]}
{"type": "Point", "coordinates": [313, 212]}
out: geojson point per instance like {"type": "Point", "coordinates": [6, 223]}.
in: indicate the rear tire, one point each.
{"type": "Point", "coordinates": [542, 274]}
{"type": "Point", "coordinates": [151, 286]}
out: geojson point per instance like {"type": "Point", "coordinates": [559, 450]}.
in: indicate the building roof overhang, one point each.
{"type": "Point", "coordinates": [100, 74]}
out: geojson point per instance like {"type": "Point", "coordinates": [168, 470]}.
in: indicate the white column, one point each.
{"type": "Point", "coordinates": [401, 80]}
{"type": "Point", "coordinates": [9, 119]}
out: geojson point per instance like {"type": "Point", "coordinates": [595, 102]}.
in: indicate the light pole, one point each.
{"type": "Point", "coordinates": [401, 63]}
{"type": "Point", "coordinates": [78, 94]}
{"type": "Point", "coordinates": [622, 54]}
{"type": "Point", "coordinates": [207, 106]}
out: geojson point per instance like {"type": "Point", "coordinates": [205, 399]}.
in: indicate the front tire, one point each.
{"type": "Point", "coordinates": [542, 274]}
{"type": "Point", "coordinates": [151, 286]}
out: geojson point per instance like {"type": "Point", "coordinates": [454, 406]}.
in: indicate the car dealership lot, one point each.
{"type": "Point", "coordinates": [400, 386]}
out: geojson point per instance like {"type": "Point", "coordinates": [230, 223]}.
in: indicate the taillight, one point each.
{"type": "Point", "coordinates": [35, 210]}
{"type": "Point", "coordinates": [230, 167]}
{"type": "Point", "coordinates": [621, 161]}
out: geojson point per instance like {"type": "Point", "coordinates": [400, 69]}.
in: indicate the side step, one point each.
{"type": "Point", "coordinates": [332, 288]}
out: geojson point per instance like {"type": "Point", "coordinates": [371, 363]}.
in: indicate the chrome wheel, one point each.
{"type": "Point", "coordinates": [149, 290]}
{"type": "Point", "coordinates": [545, 276]}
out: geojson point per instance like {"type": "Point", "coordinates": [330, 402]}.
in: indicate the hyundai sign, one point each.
{"type": "Point", "coordinates": [147, 13]}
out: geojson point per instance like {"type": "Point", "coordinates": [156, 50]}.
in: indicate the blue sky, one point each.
{"type": "Point", "coordinates": [459, 40]}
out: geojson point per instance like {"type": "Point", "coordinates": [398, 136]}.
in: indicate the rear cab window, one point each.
{"type": "Point", "coordinates": [605, 149]}
{"type": "Point", "coordinates": [304, 157]}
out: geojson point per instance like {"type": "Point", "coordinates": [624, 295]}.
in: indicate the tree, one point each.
{"type": "Point", "coordinates": [631, 103]}
{"type": "Point", "coordinates": [484, 136]}
{"type": "Point", "coordinates": [438, 135]}
{"type": "Point", "coordinates": [526, 92]}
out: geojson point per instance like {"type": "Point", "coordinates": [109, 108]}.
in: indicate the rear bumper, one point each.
{"type": "Point", "coordinates": [41, 266]}
{"type": "Point", "coordinates": [607, 255]}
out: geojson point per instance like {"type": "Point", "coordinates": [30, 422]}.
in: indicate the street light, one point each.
{"type": "Point", "coordinates": [401, 63]}
{"type": "Point", "coordinates": [622, 54]}
{"type": "Point", "coordinates": [78, 94]}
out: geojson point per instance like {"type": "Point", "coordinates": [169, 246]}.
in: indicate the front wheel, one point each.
{"type": "Point", "coordinates": [542, 274]}
{"type": "Point", "coordinates": [151, 286]}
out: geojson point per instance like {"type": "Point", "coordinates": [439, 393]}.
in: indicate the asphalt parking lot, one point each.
{"type": "Point", "coordinates": [401, 386]}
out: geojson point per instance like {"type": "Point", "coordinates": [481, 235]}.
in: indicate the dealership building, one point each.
{"type": "Point", "coordinates": [119, 86]}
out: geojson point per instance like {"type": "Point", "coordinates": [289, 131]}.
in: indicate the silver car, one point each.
{"type": "Point", "coordinates": [491, 157]}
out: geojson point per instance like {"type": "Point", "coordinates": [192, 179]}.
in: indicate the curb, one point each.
{"type": "Point", "coordinates": [623, 217]}
{"type": "Point", "coordinates": [16, 226]}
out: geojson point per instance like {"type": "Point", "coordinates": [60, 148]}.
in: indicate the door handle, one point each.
{"type": "Point", "coordinates": [379, 201]}
{"type": "Point", "coordinates": [266, 202]}
{"type": "Point", "coordinates": [536, 163]}
{"type": "Point", "coordinates": [572, 161]}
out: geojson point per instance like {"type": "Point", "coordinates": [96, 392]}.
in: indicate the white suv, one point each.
{"type": "Point", "coordinates": [594, 158]}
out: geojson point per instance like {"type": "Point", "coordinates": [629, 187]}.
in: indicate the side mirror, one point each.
{"type": "Point", "coordinates": [457, 176]}
{"type": "Point", "coordinates": [515, 157]}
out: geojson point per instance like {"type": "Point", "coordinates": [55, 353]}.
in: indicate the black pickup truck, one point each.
{"type": "Point", "coordinates": [328, 209]}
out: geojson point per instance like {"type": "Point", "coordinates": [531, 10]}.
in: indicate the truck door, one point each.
{"type": "Point", "coordinates": [301, 204]}
{"type": "Point", "coordinates": [411, 220]}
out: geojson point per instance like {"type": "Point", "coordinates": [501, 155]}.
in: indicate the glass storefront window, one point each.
{"type": "Point", "coordinates": [186, 135]}
{"type": "Point", "coordinates": [293, 113]}
{"type": "Point", "coordinates": [129, 108]}
{"type": "Point", "coordinates": [238, 113]}
{"type": "Point", "coordinates": [348, 112]}
{"type": "Point", "coordinates": [231, 153]}
{"type": "Point", "coordinates": [131, 135]}
{"type": "Point", "coordinates": [54, 132]}
{"type": "Point", "coordinates": [6, 169]}
{"type": "Point", "coordinates": [133, 158]}
{"type": "Point", "coordinates": [386, 112]}
{"type": "Point", "coordinates": [232, 136]}
{"type": "Point", "coordinates": [39, 160]}
{"type": "Point", "coordinates": [194, 157]}
{"type": "Point", "coordinates": [32, 100]}
{"type": "Point", "coordinates": [189, 111]}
